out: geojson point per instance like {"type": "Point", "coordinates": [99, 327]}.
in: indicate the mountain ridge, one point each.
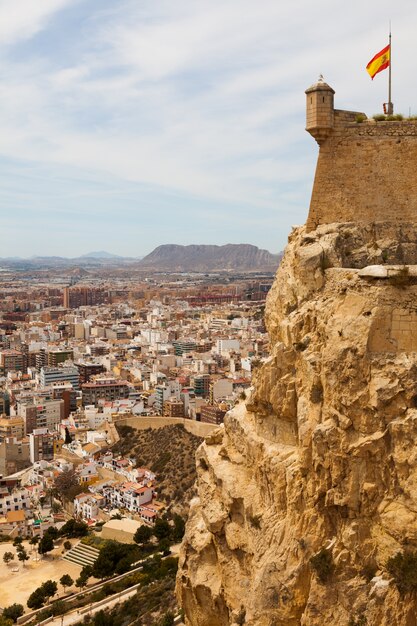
{"type": "Point", "coordinates": [200, 257]}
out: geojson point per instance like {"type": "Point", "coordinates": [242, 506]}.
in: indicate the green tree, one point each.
{"type": "Point", "coordinates": [114, 557]}
{"type": "Point", "coordinates": [36, 598]}
{"type": "Point", "coordinates": [143, 535]}
{"type": "Point", "coordinates": [49, 588]}
{"type": "Point", "coordinates": [87, 571]}
{"type": "Point", "coordinates": [66, 581]}
{"type": "Point", "coordinates": [162, 529]}
{"type": "Point", "coordinates": [50, 494]}
{"type": "Point", "coordinates": [46, 544]}
{"type": "Point", "coordinates": [13, 612]}
{"type": "Point", "coordinates": [59, 607]}
{"type": "Point", "coordinates": [5, 621]}
{"type": "Point", "coordinates": [7, 557]}
{"type": "Point", "coordinates": [72, 528]}
{"type": "Point", "coordinates": [67, 545]}
{"type": "Point", "coordinates": [179, 528]}
{"type": "Point", "coordinates": [103, 619]}
{"type": "Point", "coordinates": [53, 532]}
{"type": "Point", "coordinates": [81, 581]}
{"type": "Point", "coordinates": [17, 541]}
{"type": "Point", "coordinates": [22, 555]}
{"type": "Point", "coordinates": [164, 546]}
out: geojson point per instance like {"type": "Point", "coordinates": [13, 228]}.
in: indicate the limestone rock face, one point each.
{"type": "Point", "coordinates": [323, 455]}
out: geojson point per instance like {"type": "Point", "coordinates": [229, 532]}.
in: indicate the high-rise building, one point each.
{"type": "Point", "coordinates": [212, 414]}
{"type": "Point", "coordinates": [74, 297]}
{"type": "Point", "coordinates": [202, 385]}
{"type": "Point", "coordinates": [66, 373]}
{"type": "Point", "coordinates": [42, 444]}
{"type": "Point", "coordinates": [59, 355]}
{"type": "Point", "coordinates": [87, 370]}
{"type": "Point", "coordinates": [173, 408]}
{"type": "Point", "coordinates": [107, 389]}
{"type": "Point", "coordinates": [40, 412]}
{"type": "Point", "coordinates": [12, 361]}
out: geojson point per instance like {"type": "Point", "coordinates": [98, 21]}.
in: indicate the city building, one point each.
{"type": "Point", "coordinates": [40, 412]}
{"type": "Point", "coordinates": [212, 414]}
{"type": "Point", "coordinates": [104, 389]}
{"type": "Point", "coordinates": [11, 427]}
{"type": "Point", "coordinates": [201, 385]}
{"type": "Point", "coordinates": [43, 444]}
{"type": "Point", "coordinates": [14, 456]}
{"type": "Point", "coordinates": [56, 356]}
{"type": "Point", "coordinates": [173, 408]}
{"type": "Point", "coordinates": [12, 361]}
{"type": "Point", "coordinates": [65, 373]}
{"type": "Point", "coordinates": [86, 370]}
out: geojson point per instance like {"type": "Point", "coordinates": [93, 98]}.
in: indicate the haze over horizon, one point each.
{"type": "Point", "coordinates": [127, 125]}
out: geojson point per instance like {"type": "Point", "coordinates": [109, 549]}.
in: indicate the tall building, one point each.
{"type": "Point", "coordinates": [12, 361]}
{"type": "Point", "coordinates": [184, 345]}
{"type": "Point", "coordinates": [42, 444]}
{"type": "Point", "coordinates": [202, 385]}
{"type": "Point", "coordinates": [87, 370]}
{"type": "Point", "coordinates": [212, 414]}
{"type": "Point", "coordinates": [59, 355]}
{"type": "Point", "coordinates": [41, 359]}
{"type": "Point", "coordinates": [165, 392]}
{"type": "Point", "coordinates": [74, 297]}
{"type": "Point", "coordinates": [104, 389]}
{"type": "Point", "coordinates": [41, 412]}
{"type": "Point", "coordinates": [66, 373]}
{"type": "Point", "coordinates": [173, 408]}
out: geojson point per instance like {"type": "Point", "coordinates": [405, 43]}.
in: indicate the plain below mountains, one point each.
{"type": "Point", "coordinates": [202, 258]}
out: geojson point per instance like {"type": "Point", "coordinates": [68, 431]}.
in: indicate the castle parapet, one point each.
{"type": "Point", "coordinates": [366, 170]}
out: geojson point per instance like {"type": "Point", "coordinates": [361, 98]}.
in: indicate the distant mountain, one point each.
{"type": "Point", "coordinates": [93, 259]}
{"type": "Point", "coordinates": [101, 254]}
{"type": "Point", "coordinates": [203, 258]}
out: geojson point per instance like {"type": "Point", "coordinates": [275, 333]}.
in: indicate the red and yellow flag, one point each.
{"type": "Point", "coordinates": [379, 62]}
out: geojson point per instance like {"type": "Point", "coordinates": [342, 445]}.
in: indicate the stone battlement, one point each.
{"type": "Point", "coordinates": [365, 171]}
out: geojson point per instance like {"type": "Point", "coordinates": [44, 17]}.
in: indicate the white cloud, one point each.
{"type": "Point", "coordinates": [21, 19]}
{"type": "Point", "coordinates": [201, 99]}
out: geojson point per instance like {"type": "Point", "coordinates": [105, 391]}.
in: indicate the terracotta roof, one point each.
{"type": "Point", "coordinates": [15, 516]}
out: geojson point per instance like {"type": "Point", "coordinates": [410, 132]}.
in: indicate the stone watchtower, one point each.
{"type": "Point", "coordinates": [366, 169]}
{"type": "Point", "coordinates": [320, 110]}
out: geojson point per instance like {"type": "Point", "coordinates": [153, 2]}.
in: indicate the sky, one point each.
{"type": "Point", "coordinates": [127, 124]}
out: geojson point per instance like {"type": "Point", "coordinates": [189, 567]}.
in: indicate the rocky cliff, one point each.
{"type": "Point", "coordinates": [311, 485]}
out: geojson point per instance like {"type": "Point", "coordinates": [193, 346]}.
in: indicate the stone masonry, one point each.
{"type": "Point", "coordinates": [365, 170]}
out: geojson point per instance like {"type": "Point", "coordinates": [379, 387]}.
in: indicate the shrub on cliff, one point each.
{"type": "Point", "coordinates": [403, 569]}
{"type": "Point", "coordinates": [322, 564]}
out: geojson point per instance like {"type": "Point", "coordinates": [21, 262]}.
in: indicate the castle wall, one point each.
{"type": "Point", "coordinates": [366, 172]}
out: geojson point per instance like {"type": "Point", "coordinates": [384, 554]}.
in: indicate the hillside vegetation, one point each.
{"type": "Point", "coordinates": [170, 453]}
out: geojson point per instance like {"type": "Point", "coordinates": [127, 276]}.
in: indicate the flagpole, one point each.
{"type": "Point", "coordinates": [390, 104]}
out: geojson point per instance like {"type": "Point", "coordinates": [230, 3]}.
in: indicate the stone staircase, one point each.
{"type": "Point", "coordinates": [82, 554]}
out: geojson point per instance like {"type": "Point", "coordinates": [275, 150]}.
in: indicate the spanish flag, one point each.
{"type": "Point", "coordinates": [379, 62]}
